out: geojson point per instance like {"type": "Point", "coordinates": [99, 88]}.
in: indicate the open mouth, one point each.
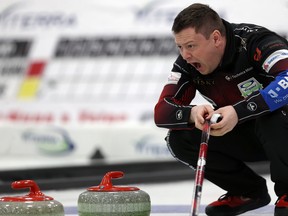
{"type": "Point", "coordinates": [196, 65]}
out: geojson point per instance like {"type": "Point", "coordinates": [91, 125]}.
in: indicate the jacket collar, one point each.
{"type": "Point", "coordinates": [230, 49]}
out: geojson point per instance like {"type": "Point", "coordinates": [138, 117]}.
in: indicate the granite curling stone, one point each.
{"type": "Point", "coordinates": [33, 204]}
{"type": "Point", "coordinates": [109, 200]}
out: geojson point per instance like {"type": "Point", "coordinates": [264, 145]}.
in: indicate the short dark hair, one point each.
{"type": "Point", "coordinates": [200, 17]}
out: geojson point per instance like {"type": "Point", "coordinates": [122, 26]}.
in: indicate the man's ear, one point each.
{"type": "Point", "coordinates": [217, 37]}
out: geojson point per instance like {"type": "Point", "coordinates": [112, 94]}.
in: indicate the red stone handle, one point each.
{"type": "Point", "coordinates": [34, 195]}
{"type": "Point", "coordinates": [107, 186]}
{"type": "Point", "coordinates": [107, 179]}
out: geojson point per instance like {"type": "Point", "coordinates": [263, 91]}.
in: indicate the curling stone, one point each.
{"type": "Point", "coordinates": [109, 200]}
{"type": "Point", "coordinates": [35, 203]}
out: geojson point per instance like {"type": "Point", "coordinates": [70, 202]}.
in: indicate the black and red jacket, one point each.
{"type": "Point", "coordinates": [254, 57]}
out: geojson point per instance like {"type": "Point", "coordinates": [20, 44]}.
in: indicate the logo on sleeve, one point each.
{"type": "Point", "coordinates": [174, 77]}
{"type": "Point", "coordinates": [252, 106]}
{"type": "Point", "coordinates": [179, 115]}
{"type": "Point", "coordinates": [274, 58]}
{"type": "Point", "coordinates": [249, 86]}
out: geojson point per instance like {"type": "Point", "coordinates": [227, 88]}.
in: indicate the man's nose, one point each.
{"type": "Point", "coordinates": [186, 54]}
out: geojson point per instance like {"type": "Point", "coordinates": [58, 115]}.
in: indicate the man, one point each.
{"type": "Point", "coordinates": [242, 70]}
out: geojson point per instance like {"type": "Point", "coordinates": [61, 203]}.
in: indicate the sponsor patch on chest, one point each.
{"type": "Point", "coordinates": [249, 86]}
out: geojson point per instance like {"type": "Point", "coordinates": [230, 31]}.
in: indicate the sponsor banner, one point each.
{"type": "Point", "coordinates": [21, 114]}
{"type": "Point", "coordinates": [56, 115]}
{"type": "Point", "coordinates": [55, 146]}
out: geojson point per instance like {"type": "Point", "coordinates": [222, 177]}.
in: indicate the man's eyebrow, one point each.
{"type": "Point", "coordinates": [185, 43]}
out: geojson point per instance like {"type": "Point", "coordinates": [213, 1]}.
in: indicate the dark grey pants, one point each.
{"type": "Point", "coordinates": [263, 139]}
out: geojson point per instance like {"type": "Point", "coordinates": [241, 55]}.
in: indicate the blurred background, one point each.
{"type": "Point", "coordinates": [79, 81]}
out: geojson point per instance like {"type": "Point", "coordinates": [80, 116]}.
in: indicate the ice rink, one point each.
{"type": "Point", "coordinates": [169, 199]}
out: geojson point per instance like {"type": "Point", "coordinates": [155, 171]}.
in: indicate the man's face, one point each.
{"type": "Point", "coordinates": [203, 54]}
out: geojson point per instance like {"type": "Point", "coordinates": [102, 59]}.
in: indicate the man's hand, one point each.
{"type": "Point", "coordinates": [199, 113]}
{"type": "Point", "coordinates": [228, 122]}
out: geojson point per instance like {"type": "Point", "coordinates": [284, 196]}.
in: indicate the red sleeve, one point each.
{"type": "Point", "coordinates": [173, 108]}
